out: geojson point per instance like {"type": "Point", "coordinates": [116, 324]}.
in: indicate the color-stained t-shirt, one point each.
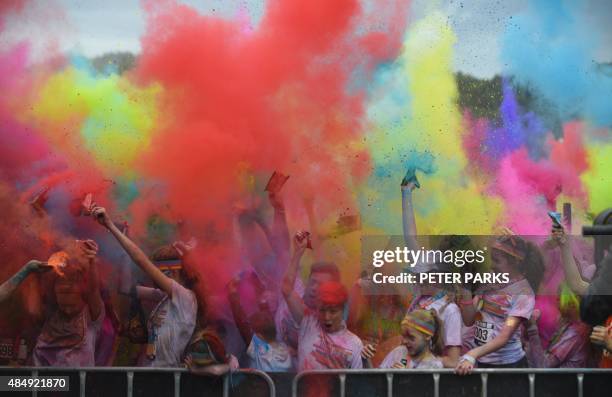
{"type": "Point", "coordinates": [273, 357]}
{"type": "Point", "coordinates": [571, 348]}
{"type": "Point", "coordinates": [51, 352]}
{"type": "Point", "coordinates": [516, 300]}
{"type": "Point", "coordinates": [171, 325]}
{"type": "Point", "coordinates": [319, 349]}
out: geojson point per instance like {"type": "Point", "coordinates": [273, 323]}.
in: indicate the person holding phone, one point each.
{"type": "Point", "coordinates": [594, 295]}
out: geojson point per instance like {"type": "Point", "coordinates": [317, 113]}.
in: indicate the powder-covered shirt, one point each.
{"type": "Point", "coordinates": [517, 300]}
{"type": "Point", "coordinates": [49, 354]}
{"type": "Point", "coordinates": [264, 356]}
{"type": "Point", "coordinates": [171, 325]}
{"type": "Point", "coordinates": [467, 335]}
{"type": "Point", "coordinates": [319, 349]}
{"type": "Point", "coordinates": [400, 353]}
{"type": "Point", "coordinates": [449, 314]}
{"type": "Point", "coordinates": [569, 348]}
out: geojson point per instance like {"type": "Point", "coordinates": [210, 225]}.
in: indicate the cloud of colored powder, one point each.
{"type": "Point", "coordinates": [415, 112]}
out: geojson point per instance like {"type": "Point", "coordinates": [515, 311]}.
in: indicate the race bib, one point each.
{"type": "Point", "coordinates": [483, 332]}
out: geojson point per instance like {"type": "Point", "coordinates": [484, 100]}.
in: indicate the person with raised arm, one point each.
{"type": "Point", "coordinates": [258, 331]}
{"type": "Point", "coordinates": [9, 286]}
{"type": "Point", "coordinates": [324, 340]}
{"type": "Point", "coordinates": [594, 295]}
{"type": "Point", "coordinates": [568, 347]}
{"type": "Point", "coordinates": [429, 297]}
{"type": "Point", "coordinates": [172, 323]}
{"type": "Point", "coordinates": [69, 334]}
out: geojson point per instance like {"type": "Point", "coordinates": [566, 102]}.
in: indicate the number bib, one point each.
{"type": "Point", "coordinates": [483, 332]}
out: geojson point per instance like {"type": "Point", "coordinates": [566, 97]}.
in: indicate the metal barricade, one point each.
{"type": "Point", "coordinates": [531, 374]}
{"type": "Point", "coordinates": [387, 377]}
{"type": "Point", "coordinates": [129, 373]}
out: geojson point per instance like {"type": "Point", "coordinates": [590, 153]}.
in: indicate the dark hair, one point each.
{"type": "Point", "coordinates": [165, 253]}
{"type": "Point", "coordinates": [326, 267]}
{"type": "Point", "coordinates": [190, 279]}
{"type": "Point", "coordinates": [263, 321]}
{"type": "Point", "coordinates": [526, 256]}
{"type": "Point", "coordinates": [437, 341]}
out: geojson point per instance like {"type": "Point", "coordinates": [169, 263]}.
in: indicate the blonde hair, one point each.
{"type": "Point", "coordinates": [427, 323]}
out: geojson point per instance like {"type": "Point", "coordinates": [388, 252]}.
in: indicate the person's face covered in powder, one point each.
{"type": "Point", "coordinates": [332, 297]}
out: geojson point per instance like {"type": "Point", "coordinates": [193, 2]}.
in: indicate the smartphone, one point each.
{"type": "Point", "coordinates": [556, 218]}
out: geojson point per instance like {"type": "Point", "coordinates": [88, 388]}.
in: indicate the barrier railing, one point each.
{"type": "Point", "coordinates": [129, 373]}
{"type": "Point", "coordinates": [531, 374]}
{"type": "Point", "coordinates": [388, 376]}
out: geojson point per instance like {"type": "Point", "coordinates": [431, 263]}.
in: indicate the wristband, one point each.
{"type": "Point", "coordinates": [467, 357]}
{"type": "Point", "coordinates": [466, 302]}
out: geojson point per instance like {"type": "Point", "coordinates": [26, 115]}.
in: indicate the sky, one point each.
{"type": "Point", "coordinates": [92, 27]}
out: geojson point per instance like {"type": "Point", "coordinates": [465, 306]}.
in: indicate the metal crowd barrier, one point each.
{"type": "Point", "coordinates": [531, 374]}
{"type": "Point", "coordinates": [129, 373]}
{"type": "Point", "coordinates": [387, 378]}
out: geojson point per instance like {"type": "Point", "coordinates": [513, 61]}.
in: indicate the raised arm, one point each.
{"type": "Point", "coordinates": [294, 302]}
{"type": "Point", "coordinates": [358, 302]}
{"type": "Point", "coordinates": [570, 268]}
{"type": "Point", "coordinates": [408, 222]}
{"type": "Point", "coordinates": [140, 258]}
{"type": "Point", "coordinates": [280, 231]}
{"type": "Point", "coordinates": [238, 313]}
{"type": "Point", "coordinates": [94, 299]}
{"type": "Point", "coordinates": [315, 236]}
{"type": "Point", "coordinates": [10, 285]}
{"type": "Point", "coordinates": [278, 235]}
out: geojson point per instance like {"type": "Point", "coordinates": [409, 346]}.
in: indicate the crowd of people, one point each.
{"type": "Point", "coordinates": [297, 324]}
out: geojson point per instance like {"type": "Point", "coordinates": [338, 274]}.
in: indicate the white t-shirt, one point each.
{"type": "Point", "coordinates": [400, 353]}
{"type": "Point", "coordinates": [82, 355]}
{"type": "Point", "coordinates": [449, 314]}
{"type": "Point", "coordinates": [517, 300]}
{"type": "Point", "coordinates": [275, 357]}
{"type": "Point", "coordinates": [171, 326]}
{"type": "Point", "coordinates": [318, 349]}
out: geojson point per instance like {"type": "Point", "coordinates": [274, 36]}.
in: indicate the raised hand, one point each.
{"type": "Point", "coordinates": [301, 241]}
{"type": "Point", "coordinates": [89, 249]}
{"type": "Point", "coordinates": [558, 236]}
{"type": "Point", "coordinates": [184, 248]}
{"type": "Point", "coordinates": [100, 215]}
